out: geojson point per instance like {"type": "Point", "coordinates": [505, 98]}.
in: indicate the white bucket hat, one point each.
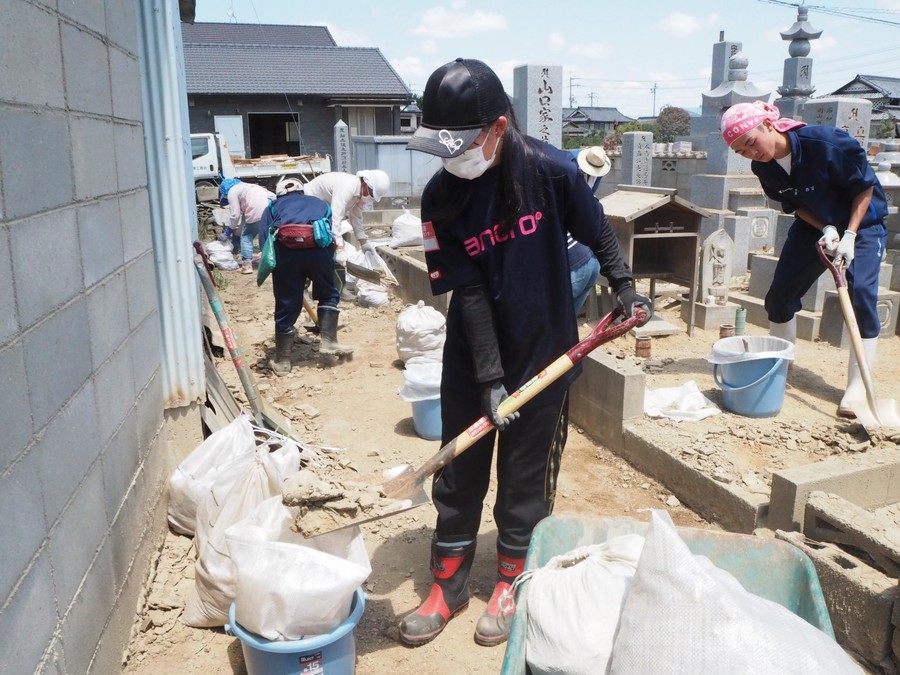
{"type": "Point", "coordinates": [594, 161]}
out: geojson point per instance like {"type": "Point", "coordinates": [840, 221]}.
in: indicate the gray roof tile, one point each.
{"type": "Point", "coordinates": [256, 34]}
{"type": "Point", "coordinates": [278, 69]}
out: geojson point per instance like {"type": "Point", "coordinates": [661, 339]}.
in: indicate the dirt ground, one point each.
{"type": "Point", "coordinates": [354, 405]}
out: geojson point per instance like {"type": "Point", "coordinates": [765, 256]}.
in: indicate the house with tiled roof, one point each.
{"type": "Point", "coordinates": [280, 89]}
{"type": "Point", "coordinates": [884, 92]}
{"type": "Point", "coordinates": [584, 121]}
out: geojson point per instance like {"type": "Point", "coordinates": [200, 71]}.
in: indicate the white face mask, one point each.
{"type": "Point", "coordinates": [471, 164]}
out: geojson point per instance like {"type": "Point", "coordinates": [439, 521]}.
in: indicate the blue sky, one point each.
{"type": "Point", "coordinates": [612, 54]}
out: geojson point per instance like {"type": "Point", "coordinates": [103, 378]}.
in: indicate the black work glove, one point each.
{"type": "Point", "coordinates": [629, 299]}
{"type": "Point", "coordinates": [492, 394]}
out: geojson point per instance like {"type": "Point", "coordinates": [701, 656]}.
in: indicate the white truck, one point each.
{"type": "Point", "coordinates": [209, 153]}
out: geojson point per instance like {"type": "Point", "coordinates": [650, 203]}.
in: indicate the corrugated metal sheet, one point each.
{"type": "Point", "coordinates": [172, 216]}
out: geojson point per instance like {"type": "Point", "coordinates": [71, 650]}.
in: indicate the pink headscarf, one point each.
{"type": "Point", "coordinates": [743, 117]}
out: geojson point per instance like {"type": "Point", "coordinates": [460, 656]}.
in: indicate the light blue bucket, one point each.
{"type": "Point", "coordinates": [752, 373]}
{"type": "Point", "coordinates": [427, 418]}
{"type": "Point", "coordinates": [332, 654]}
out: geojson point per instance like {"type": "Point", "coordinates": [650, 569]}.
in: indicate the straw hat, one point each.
{"type": "Point", "coordinates": [594, 161]}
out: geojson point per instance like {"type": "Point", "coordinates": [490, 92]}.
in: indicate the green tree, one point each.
{"type": "Point", "coordinates": [672, 122]}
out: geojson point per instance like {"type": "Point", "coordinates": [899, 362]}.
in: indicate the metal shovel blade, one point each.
{"type": "Point", "coordinates": [364, 273]}
{"type": "Point", "coordinates": [409, 500]}
{"type": "Point", "coordinates": [885, 413]}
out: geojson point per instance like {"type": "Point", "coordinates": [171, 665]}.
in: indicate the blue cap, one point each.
{"type": "Point", "coordinates": [224, 187]}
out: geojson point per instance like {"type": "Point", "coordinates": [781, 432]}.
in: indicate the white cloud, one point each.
{"type": "Point", "coordinates": [557, 40]}
{"type": "Point", "coordinates": [439, 22]}
{"type": "Point", "coordinates": [680, 24]}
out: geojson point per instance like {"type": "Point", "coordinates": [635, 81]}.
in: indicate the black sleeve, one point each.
{"type": "Point", "coordinates": [612, 262]}
{"type": "Point", "coordinates": [481, 330]}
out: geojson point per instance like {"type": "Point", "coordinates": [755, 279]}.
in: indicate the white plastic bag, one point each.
{"type": "Point", "coordinates": [421, 381]}
{"type": "Point", "coordinates": [289, 587]}
{"type": "Point", "coordinates": [685, 615]}
{"type": "Point", "coordinates": [421, 332]}
{"type": "Point", "coordinates": [686, 402]}
{"type": "Point", "coordinates": [215, 576]}
{"type": "Point", "coordinates": [220, 255]}
{"type": "Point", "coordinates": [573, 606]}
{"type": "Point", "coordinates": [406, 230]}
{"type": "Point", "coordinates": [197, 473]}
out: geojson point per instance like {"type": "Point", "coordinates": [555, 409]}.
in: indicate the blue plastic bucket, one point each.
{"type": "Point", "coordinates": [752, 388]}
{"type": "Point", "coordinates": [427, 418]}
{"type": "Point", "coordinates": [332, 654]}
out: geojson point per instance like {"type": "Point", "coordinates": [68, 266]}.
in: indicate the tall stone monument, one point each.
{"type": "Point", "coordinates": [796, 85]}
{"type": "Point", "coordinates": [537, 101]}
{"type": "Point", "coordinates": [637, 155]}
{"type": "Point", "coordinates": [342, 158]}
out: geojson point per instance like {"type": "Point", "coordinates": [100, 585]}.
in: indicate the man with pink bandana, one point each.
{"type": "Point", "coordinates": [821, 175]}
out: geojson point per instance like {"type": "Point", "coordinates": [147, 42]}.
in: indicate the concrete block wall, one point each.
{"type": "Point", "coordinates": [82, 465]}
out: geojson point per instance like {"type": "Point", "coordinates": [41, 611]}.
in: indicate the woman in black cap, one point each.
{"type": "Point", "coordinates": [495, 220]}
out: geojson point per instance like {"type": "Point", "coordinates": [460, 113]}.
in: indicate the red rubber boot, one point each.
{"type": "Point", "coordinates": [450, 566]}
{"type": "Point", "coordinates": [493, 626]}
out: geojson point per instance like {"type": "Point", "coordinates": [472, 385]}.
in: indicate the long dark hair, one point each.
{"type": "Point", "coordinates": [517, 179]}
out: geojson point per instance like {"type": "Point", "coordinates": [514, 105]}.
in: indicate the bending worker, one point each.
{"type": "Point", "coordinates": [349, 196]}
{"type": "Point", "coordinates": [822, 175]}
{"type": "Point", "coordinates": [495, 219]}
{"type": "Point", "coordinates": [304, 249]}
{"type": "Point", "coordinates": [246, 204]}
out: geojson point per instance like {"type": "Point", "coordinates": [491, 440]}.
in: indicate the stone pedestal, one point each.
{"type": "Point", "coordinates": [637, 154]}
{"type": "Point", "coordinates": [853, 115]}
{"type": "Point", "coordinates": [709, 317]}
{"type": "Point", "coordinates": [833, 328]}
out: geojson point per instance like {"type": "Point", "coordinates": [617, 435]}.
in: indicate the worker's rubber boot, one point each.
{"type": "Point", "coordinates": [856, 388]}
{"type": "Point", "coordinates": [493, 626]}
{"type": "Point", "coordinates": [328, 326]}
{"type": "Point", "coordinates": [450, 566]}
{"type": "Point", "coordinates": [786, 331]}
{"type": "Point", "coordinates": [281, 364]}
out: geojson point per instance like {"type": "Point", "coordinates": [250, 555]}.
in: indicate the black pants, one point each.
{"type": "Point", "coordinates": [528, 460]}
{"type": "Point", "coordinates": [292, 268]}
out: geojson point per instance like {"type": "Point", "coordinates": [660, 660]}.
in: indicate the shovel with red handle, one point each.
{"type": "Point", "coordinates": [407, 486]}
{"type": "Point", "coordinates": [871, 413]}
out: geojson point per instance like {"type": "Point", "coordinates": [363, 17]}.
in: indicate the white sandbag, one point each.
{"type": "Point", "coordinates": [197, 473]}
{"type": "Point", "coordinates": [371, 295]}
{"type": "Point", "coordinates": [289, 587]}
{"type": "Point", "coordinates": [687, 616]}
{"type": "Point", "coordinates": [220, 255]}
{"type": "Point", "coordinates": [573, 604]}
{"type": "Point", "coordinates": [421, 332]}
{"type": "Point", "coordinates": [215, 576]}
{"type": "Point", "coordinates": [406, 230]}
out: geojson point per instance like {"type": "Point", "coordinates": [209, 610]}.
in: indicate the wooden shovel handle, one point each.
{"type": "Point", "coordinates": [518, 398]}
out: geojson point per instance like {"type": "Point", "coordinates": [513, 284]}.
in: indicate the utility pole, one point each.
{"type": "Point", "coordinates": [653, 89]}
{"type": "Point", "coordinates": [592, 99]}
{"type": "Point", "coordinates": [571, 85]}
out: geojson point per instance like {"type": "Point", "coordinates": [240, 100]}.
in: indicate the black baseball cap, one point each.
{"type": "Point", "coordinates": [461, 98]}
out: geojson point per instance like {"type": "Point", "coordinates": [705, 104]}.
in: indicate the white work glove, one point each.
{"type": "Point", "coordinates": [368, 246]}
{"type": "Point", "coordinates": [830, 238]}
{"type": "Point", "coordinates": [340, 256]}
{"type": "Point", "coordinates": [845, 249]}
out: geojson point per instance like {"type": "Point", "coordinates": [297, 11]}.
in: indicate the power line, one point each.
{"type": "Point", "coordinates": [837, 11]}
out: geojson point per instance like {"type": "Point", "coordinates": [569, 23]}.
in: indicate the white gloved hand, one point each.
{"type": "Point", "coordinates": [830, 238]}
{"type": "Point", "coordinates": [845, 249]}
{"type": "Point", "coordinates": [340, 256]}
{"type": "Point", "coordinates": [368, 246]}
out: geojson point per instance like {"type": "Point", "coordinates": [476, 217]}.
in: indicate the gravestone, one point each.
{"type": "Point", "coordinates": [853, 115]}
{"type": "Point", "coordinates": [716, 256]}
{"type": "Point", "coordinates": [342, 158]}
{"type": "Point", "coordinates": [637, 155]}
{"type": "Point", "coordinates": [537, 101]}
